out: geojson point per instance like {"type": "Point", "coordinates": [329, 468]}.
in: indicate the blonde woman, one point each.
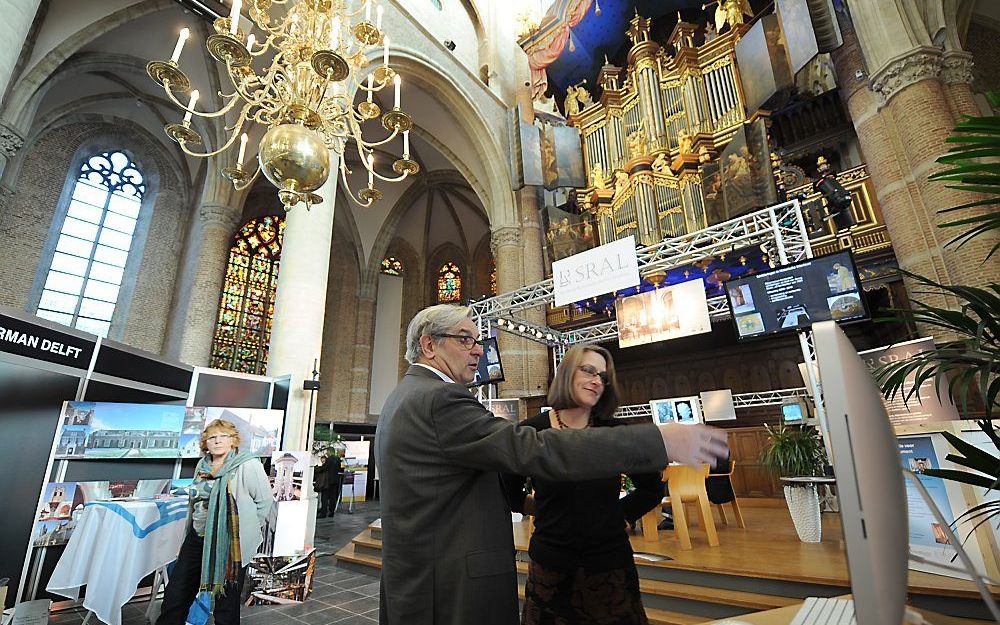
{"type": "Point", "coordinates": [230, 501]}
{"type": "Point", "coordinates": [581, 570]}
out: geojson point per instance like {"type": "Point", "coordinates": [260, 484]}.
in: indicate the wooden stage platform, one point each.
{"type": "Point", "coordinates": [762, 567]}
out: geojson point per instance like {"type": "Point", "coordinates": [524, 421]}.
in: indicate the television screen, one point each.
{"type": "Point", "coordinates": [796, 296]}
{"type": "Point", "coordinates": [662, 314]}
{"type": "Point", "coordinates": [792, 413]}
{"type": "Point", "coordinates": [490, 370]}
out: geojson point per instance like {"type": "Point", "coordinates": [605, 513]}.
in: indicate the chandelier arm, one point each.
{"type": "Point", "coordinates": [229, 144]}
{"type": "Point", "coordinates": [240, 187]}
{"type": "Point", "coordinates": [347, 188]}
{"type": "Point", "coordinates": [375, 144]}
{"type": "Point", "coordinates": [225, 109]}
{"type": "Point", "coordinates": [387, 179]}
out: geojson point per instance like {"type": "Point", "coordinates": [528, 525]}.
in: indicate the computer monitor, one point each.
{"type": "Point", "coordinates": [866, 461]}
{"type": "Point", "coordinates": [793, 412]}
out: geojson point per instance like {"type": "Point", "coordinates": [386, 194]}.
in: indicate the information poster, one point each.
{"type": "Point", "coordinates": [924, 406]}
{"type": "Point", "coordinates": [927, 536]}
{"type": "Point", "coordinates": [504, 408]}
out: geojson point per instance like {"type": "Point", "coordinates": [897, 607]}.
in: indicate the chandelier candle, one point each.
{"type": "Point", "coordinates": [396, 81]}
{"type": "Point", "coordinates": [234, 17]}
{"type": "Point", "coordinates": [191, 103]}
{"type": "Point", "coordinates": [185, 33]}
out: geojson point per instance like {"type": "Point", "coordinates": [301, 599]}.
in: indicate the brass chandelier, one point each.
{"type": "Point", "coordinates": [315, 57]}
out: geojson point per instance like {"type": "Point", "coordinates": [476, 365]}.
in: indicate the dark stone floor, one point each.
{"type": "Point", "coordinates": [341, 596]}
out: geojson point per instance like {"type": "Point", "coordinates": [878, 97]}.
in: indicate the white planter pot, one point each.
{"type": "Point", "coordinates": [803, 504]}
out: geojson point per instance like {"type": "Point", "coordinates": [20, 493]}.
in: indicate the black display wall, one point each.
{"type": "Point", "coordinates": [43, 365]}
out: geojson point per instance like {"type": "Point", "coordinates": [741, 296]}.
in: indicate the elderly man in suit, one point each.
{"type": "Point", "coordinates": [447, 540]}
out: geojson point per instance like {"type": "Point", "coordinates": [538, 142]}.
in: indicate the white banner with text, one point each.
{"type": "Point", "coordinates": [597, 271]}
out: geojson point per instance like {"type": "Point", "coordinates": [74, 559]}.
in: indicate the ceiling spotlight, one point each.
{"type": "Point", "coordinates": [520, 328]}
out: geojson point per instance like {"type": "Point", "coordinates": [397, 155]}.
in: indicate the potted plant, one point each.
{"type": "Point", "coordinates": [797, 451]}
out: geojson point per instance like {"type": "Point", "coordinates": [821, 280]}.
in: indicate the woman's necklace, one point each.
{"type": "Point", "coordinates": [563, 426]}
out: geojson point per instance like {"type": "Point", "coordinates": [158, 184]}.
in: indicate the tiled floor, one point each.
{"type": "Point", "coordinates": [339, 596]}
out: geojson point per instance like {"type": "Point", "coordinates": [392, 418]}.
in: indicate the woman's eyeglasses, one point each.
{"type": "Point", "coordinates": [592, 373]}
{"type": "Point", "coordinates": [468, 342]}
{"type": "Point", "coordinates": [219, 437]}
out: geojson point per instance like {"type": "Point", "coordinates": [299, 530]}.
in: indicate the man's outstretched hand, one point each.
{"type": "Point", "coordinates": [694, 444]}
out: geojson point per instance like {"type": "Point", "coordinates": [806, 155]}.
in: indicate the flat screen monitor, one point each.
{"type": "Point", "coordinates": [866, 461]}
{"type": "Point", "coordinates": [490, 370]}
{"type": "Point", "coordinates": [792, 413]}
{"type": "Point", "coordinates": [796, 296]}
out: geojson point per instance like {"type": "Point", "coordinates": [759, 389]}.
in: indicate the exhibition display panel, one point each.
{"type": "Point", "coordinates": [104, 438]}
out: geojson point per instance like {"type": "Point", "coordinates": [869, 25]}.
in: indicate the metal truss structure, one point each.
{"type": "Point", "coordinates": [740, 400]}
{"type": "Point", "coordinates": [779, 229]}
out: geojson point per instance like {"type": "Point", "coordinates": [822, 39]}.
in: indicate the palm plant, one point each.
{"type": "Point", "coordinates": [794, 451]}
{"type": "Point", "coordinates": [971, 361]}
{"type": "Point", "coordinates": [975, 162]}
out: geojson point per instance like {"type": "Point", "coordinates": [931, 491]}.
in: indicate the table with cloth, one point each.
{"type": "Point", "coordinates": [114, 546]}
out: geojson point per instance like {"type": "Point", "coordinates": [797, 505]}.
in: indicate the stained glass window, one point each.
{"type": "Point", "coordinates": [449, 283]}
{"type": "Point", "coordinates": [392, 266]}
{"type": "Point", "coordinates": [85, 276]}
{"type": "Point", "coordinates": [243, 328]}
{"type": "Point", "coordinates": [493, 277]}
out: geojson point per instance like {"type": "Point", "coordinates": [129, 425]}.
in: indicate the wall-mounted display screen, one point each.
{"type": "Point", "coordinates": [796, 296]}
{"type": "Point", "coordinates": [662, 314]}
{"type": "Point", "coordinates": [490, 369]}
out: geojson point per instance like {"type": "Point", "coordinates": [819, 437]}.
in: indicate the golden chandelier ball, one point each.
{"type": "Point", "coordinates": [294, 157]}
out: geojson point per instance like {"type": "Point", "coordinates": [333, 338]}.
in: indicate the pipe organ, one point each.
{"type": "Point", "coordinates": [647, 140]}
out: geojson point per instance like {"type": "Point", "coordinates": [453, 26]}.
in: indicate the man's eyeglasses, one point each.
{"type": "Point", "coordinates": [219, 437]}
{"type": "Point", "coordinates": [592, 373]}
{"type": "Point", "coordinates": [468, 342]}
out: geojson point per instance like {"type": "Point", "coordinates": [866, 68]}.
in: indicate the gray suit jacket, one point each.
{"type": "Point", "coordinates": [447, 541]}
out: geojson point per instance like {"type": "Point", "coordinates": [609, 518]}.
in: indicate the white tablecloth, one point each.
{"type": "Point", "coordinates": [115, 545]}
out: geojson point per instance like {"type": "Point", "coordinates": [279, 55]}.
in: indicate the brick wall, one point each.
{"type": "Point", "coordinates": [983, 42]}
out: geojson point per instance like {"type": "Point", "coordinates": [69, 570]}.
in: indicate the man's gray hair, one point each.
{"type": "Point", "coordinates": [432, 320]}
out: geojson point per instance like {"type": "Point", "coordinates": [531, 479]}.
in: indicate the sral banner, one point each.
{"type": "Point", "coordinates": [597, 271]}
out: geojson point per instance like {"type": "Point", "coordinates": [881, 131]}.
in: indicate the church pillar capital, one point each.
{"type": "Point", "coordinates": [956, 68]}
{"type": "Point", "coordinates": [921, 63]}
{"type": "Point", "coordinates": [219, 215]}
{"type": "Point", "coordinates": [505, 236]}
{"type": "Point", "coordinates": [10, 142]}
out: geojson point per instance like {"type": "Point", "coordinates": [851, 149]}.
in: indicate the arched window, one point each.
{"type": "Point", "coordinates": [493, 276]}
{"type": "Point", "coordinates": [85, 276]}
{"type": "Point", "coordinates": [392, 266]}
{"type": "Point", "coordinates": [243, 329]}
{"type": "Point", "coordinates": [449, 283]}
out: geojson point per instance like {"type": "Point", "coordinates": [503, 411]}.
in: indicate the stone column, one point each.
{"type": "Point", "coordinates": [505, 242]}
{"type": "Point", "coordinates": [364, 338]}
{"type": "Point", "coordinates": [17, 19]}
{"type": "Point", "coordinates": [300, 304]}
{"type": "Point", "coordinates": [202, 279]}
{"type": "Point", "coordinates": [902, 117]}
{"type": "Point", "coordinates": [536, 355]}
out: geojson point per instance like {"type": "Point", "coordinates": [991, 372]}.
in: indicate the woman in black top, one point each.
{"type": "Point", "coordinates": [581, 570]}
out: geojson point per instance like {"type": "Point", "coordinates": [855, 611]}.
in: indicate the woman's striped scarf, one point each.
{"type": "Point", "coordinates": [221, 559]}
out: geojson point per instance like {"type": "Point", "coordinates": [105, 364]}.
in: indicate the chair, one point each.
{"type": "Point", "coordinates": [687, 485]}
{"type": "Point", "coordinates": [719, 486]}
